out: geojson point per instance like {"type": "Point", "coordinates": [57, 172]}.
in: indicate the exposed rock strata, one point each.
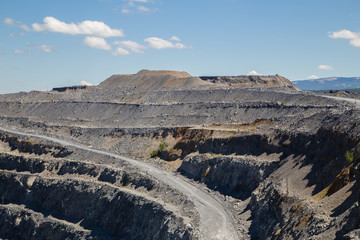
{"type": "Point", "coordinates": [274, 154]}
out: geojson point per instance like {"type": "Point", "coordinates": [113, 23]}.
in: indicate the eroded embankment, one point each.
{"type": "Point", "coordinates": [19, 222]}
{"type": "Point", "coordinates": [84, 199]}
{"type": "Point", "coordinates": [164, 114]}
{"type": "Point", "coordinates": [302, 184]}
{"type": "Point", "coordinates": [286, 204]}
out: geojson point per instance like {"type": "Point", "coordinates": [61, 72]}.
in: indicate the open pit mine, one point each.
{"type": "Point", "coordinates": [165, 155]}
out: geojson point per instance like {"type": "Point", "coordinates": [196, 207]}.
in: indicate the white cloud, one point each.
{"type": "Point", "coordinates": [312, 77]}
{"type": "Point", "coordinates": [97, 42]}
{"type": "Point", "coordinates": [14, 34]}
{"type": "Point", "coordinates": [175, 38]}
{"type": "Point", "coordinates": [46, 48]}
{"type": "Point", "coordinates": [43, 47]}
{"type": "Point", "coordinates": [347, 34]}
{"type": "Point", "coordinates": [132, 46]}
{"type": "Point", "coordinates": [20, 51]}
{"type": "Point", "coordinates": [325, 67]}
{"type": "Point", "coordinates": [133, 6]}
{"type": "Point", "coordinates": [179, 45]}
{"type": "Point", "coordinates": [93, 28]}
{"type": "Point", "coordinates": [159, 43]}
{"type": "Point", "coordinates": [344, 34]}
{"type": "Point", "coordinates": [85, 83]}
{"type": "Point", "coordinates": [121, 51]}
{"type": "Point", "coordinates": [9, 21]}
{"type": "Point", "coordinates": [18, 24]}
{"type": "Point", "coordinates": [355, 42]}
{"type": "Point", "coordinates": [143, 9]}
{"type": "Point", "coordinates": [125, 10]}
{"type": "Point", "coordinates": [253, 72]}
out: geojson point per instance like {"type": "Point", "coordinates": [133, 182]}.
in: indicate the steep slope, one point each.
{"type": "Point", "coordinates": [154, 80]}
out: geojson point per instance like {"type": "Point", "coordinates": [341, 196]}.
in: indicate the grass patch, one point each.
{"type": "Point", "coordinates": [154, 154]}
{"type": "Point", "coordinates": [161, 148]}
{"type": "Point", "coordinates": [349, 156]}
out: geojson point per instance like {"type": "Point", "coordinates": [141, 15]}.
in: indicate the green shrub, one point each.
{"type": "Point", "coordinates": [154, 154]}
{"type": "Point", "coordinates": [349, 156]}
{"type": "Point", "coordinates": [161, 148]}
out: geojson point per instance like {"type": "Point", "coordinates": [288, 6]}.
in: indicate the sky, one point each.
{"type": "Point", "coordinates": [46, 44]}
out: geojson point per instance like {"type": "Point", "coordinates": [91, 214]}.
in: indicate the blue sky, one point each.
{"type": "Point", "coordinates": [46, 44]}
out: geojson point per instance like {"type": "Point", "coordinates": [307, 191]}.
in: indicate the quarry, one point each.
{"type": "Point", "coordinates": [166, 155]}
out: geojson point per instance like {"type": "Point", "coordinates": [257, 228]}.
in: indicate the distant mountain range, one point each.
{"type": "Point", "coordinates": [331, 83]}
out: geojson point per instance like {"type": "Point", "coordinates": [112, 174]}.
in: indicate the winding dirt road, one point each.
{"type": "Point", "coordinates": [215, 223]}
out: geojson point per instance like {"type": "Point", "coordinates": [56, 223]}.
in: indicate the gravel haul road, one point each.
{"type": "Point", "coordinates": [215, 223]}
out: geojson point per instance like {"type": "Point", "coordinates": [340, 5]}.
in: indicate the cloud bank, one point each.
{"type": "Point", "coordinates": [97, 42]}
{"type": "Point", "coordinates": [92, 28]}
{"type": "Point", "coordinates": [85, 83]}
{"type": "Point", "coordinates": [354, 37]}
{"type": "Point", "coordinates": [18, 24]}
{"type": "Point", "coordinates": [325, 67]}
{"type": "Point", "coordinates": [131, 45]}
{"type": "Point", "coordinates": [159, 43]}
{"type": "Point", "coordinates": [120, 51]}
{"type": "Point", "coordinates": [96, 32]}
{"type": "Point", "coordinates": [253, 72]}
{"type": "Point", "coordinates": [313, 77]}
{"type": "Point", "coordinates": [133, 6]}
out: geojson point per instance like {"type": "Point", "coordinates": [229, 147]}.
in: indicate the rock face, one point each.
{"type": "Point", "coordinates": [233, 176]}
{"type": "Point", "coordinates": [252, 81]}
{"type": "Point", "coordinates": [279, 163]}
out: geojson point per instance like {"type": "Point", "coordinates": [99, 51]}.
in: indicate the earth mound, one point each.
{"type": "Point", "coordinates": [154, 80]}
{"type": "Point", "coordinates": [164, 73]}
{"type": "Point", "coordinates": [146, 80]}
